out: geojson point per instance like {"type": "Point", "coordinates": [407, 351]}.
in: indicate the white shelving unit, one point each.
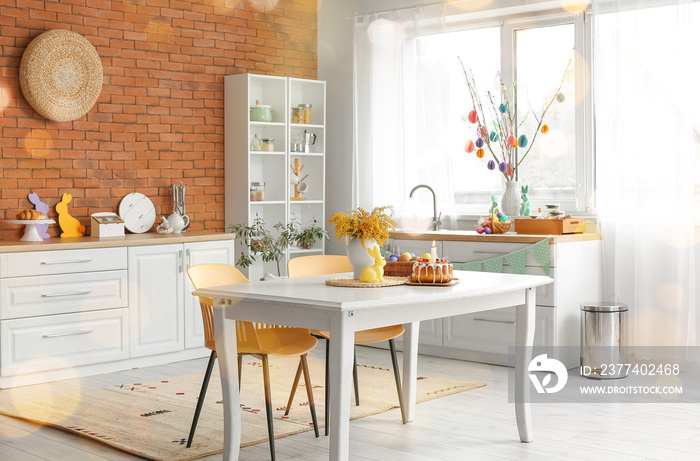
{"type": "Point", "coordinates": [244, 166]}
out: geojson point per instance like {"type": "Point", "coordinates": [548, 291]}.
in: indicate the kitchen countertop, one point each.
{"type": "Point", "coordinates": [148, 238]}
{"type": "Point", "coordinates": [508, 237]}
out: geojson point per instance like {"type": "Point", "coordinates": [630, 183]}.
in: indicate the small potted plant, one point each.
{"type": "Point", "coordinates": [260, 241]}
{"type": "Point", "coordinates": [306, 238]}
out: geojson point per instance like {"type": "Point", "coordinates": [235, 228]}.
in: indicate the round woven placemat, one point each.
{"type": "Point", "coordinates": [348, 281]}
{"type": "Point", "coordinates": [61, 75]}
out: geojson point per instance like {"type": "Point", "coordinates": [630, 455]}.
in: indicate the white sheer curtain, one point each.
{"type": "Point", "coordinates": [400, 127]}
{"type": "Point", "coordinates": [644, 164]}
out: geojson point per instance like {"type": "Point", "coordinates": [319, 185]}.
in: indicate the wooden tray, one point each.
{"type": "Point", "coordinates": [446, 284]}
{"type": "Point", "coordinates": [549, 226]}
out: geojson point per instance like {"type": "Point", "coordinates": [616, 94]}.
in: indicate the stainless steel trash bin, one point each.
{"type": "Point", "coordinates": [603, 335]}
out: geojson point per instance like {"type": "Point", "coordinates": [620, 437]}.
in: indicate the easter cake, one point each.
{"type": "Point", "coordinates": [441, 271]}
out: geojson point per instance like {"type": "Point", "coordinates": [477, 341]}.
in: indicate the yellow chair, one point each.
{"type": "Point", "coordinates": [255, 339]}
{"type": "Point", "coordinates": [332, 264]}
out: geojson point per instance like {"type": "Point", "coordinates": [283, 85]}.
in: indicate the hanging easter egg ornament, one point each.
{"type": "Point", "coordinates": [545, 129]}
{"type": "Point", "coordinates": [503, 108]}
{"type": "Point", "coordinates": [512, 140]}
{"type": "Point", "coordinates": [480, 153]}
{"type": "Point", "coordinates": [472, 116]}
{"type": "Point", "coordinates": [522, 140]}
{"type": "Point", "coordinates": [469, 146]}
{"type": "Point", "coordinates": [493, 136]}
{"type": "Point", "coordinates": [561, 97]}
{"type": "Point", "coordinates": [479, 143]}
{"type": "Point", "coordinates": [491, 165]}
{"type": "Point", "coordinates": [502, 167]}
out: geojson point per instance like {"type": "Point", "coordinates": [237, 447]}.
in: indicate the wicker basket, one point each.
{"type": "Point", "coordinates": [399, 268]}
{"type": "Point", "coordinates": [498, 227]}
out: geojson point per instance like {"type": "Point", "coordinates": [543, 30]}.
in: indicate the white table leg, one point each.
{"type": "Point", "coordinates": [410, 368]}
{"type": "Point", "coordinates": [226, 352]}
{"type": "Point", "coordinates": [524, 338]}
{"type": "Point", "coordinates": [342, 344]}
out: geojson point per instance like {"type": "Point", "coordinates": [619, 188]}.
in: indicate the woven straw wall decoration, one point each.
{"type": "Point", "coordinates": [61, 75]}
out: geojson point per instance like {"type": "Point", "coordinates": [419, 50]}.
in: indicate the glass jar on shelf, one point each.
{"type": "Point", "coordinates": [268, 144]}
{"type": "Point", "coordinates": [305, 113]}
{"type": "Point", "coordinates": [255, 143]}
{"type": "Point", "coordinates": [297, 115]}
{"type": "Point", "coordinates": [257, 191]}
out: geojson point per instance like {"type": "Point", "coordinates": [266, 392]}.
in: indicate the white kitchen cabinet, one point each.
{"type": "Point", "coordinates": [156, 299]}
{"type": "Point", "coordinates": [201, 253]}
{"type": "Point", "coordinates": [576, 270]}
{"type": "Point", "coordinates": [73, 309]}
{"type": "Point", "coordinates": [245, 166]}
{"type": "Point", "coordinates": [165, 317]}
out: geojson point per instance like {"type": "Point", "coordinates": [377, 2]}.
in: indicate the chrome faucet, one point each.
{"type": "Point", "coordinates": [436, 219]}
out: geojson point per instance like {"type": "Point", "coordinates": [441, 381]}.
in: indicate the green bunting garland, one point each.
{"type": "Point", "coordinates": [516, 260]}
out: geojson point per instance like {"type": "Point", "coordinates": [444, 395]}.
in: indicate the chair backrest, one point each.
{"type": "Point", "coordinates": [318, 265]}
{"type": "Point", "coordinates": [211, 275]}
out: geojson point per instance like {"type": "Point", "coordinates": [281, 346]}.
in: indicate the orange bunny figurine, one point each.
{"type": "Point", "coordinates": [70, 226]}
{"type": "Point", "coordinates": [374, 273]}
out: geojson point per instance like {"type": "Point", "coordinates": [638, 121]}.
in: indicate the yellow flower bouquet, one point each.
{"type": "Point", "coordinates": [361, 225]}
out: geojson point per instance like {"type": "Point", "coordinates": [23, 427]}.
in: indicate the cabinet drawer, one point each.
{"type": "Point", "coordinates": [61, 262]}
{"type": "Point", "coordinates": [464, 252]}
{"type": "Point", "coordinates": [62, 341]}
{"type": "Point", "coordinates": [62, 294]}
{"type": "Point", "coordinates": [494, 331]}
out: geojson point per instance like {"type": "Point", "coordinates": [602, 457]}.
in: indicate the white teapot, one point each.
{"type": "Point", "coordinates": [177, 222]}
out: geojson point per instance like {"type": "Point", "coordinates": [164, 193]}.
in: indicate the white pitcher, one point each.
{"type": "Point", "coordinates": [177, 222]}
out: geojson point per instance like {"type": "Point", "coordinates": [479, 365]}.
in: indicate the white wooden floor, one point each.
{"type": "Point", "coordinates": [474, 425]}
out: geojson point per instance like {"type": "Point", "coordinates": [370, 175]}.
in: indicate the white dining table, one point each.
{"type": "Point", "coordinates": [309, 303]}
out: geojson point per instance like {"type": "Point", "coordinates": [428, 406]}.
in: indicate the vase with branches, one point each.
{"type": "Point", "coordinates": [498, 125]}
{"type": "Point", "coordinates": [262, 243]}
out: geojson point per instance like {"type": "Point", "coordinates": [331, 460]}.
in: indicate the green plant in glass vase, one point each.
{"type": "Point", "coordinates": [262, 243]}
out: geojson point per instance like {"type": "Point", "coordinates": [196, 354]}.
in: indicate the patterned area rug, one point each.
{"type": "Point", "coordinates": [152, 418]}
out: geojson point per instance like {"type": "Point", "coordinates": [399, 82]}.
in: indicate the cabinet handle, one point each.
{"type": "Point", "coordinates": [180, 265]}
{"type": "Point", "coordinates": [67, 261]}
{"type": "Point", "coordinates": [66, 293]}
{"type": "Point", "coordinates": [187, 256]}
{"type": "Point", "coordinates": [507, 322]}
{"type": "Point", "coordinates": [70, 333]}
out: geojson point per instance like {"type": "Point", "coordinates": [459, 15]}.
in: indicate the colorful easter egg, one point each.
{"type": "Point", "coordinates": [499, 214]}
{"type": "Point", "coordinates": [425, 256]}
{"type": "Point", "coordinates": [479, 142]}
{"type": "Point", "coordinates": [392, 259]}
{"type": "Point", "coordinates": [522, 140]}
{"type": "Point", "coordinates": [502, 167]}
{"type": "Point", "coordinates": [503, 108]}
{"type": "Point", "coordinates": [480, 153]}
{"type": "Point", "coordinates": [491, 165]}
{"type": "Point", "coordinates": [545, 129]}
{"type": "Point", "coordinates": [503, 218]}
{"type": "Point", "coordinates": [561, 97]}
{"type": "Point", "coordinates": [493, 136]}
{"type": "Point", "coordinates": [479, 230]}
{"type": "Point", "coordinates": [469, 146]}
{"type": "Point", "coordinates": [512, 140]}
{"type": "Point", "coordinates": [487, 230]}
{"type": "Point", "coordinates": [472, 116]}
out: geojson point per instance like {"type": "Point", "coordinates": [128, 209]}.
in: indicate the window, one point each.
{"type": "Point", "coordinates": [414, 103]}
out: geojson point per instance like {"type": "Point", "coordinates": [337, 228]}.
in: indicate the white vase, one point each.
{"type": "Point", "coordinates": [510, 203]}
{"type": "Point", "coordinates": [358, 255]}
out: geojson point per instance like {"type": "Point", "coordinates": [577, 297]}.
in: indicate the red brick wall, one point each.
{"type": "Point", "coordinates": [159, 118]}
